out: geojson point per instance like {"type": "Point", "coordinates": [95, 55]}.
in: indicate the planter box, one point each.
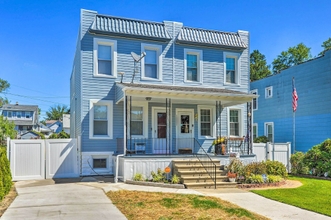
{"type": "Point", "coordinates": [165, 185]}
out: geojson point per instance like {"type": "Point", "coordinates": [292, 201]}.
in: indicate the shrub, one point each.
{"type": "Point", "coordinates": [236, 166]}
{"type": "Point", "coordinates": [61, 135]}
{"type": "Point", "coordinates": [5, 175]}
{"type": "Point", "coordinates": [261, 139]}
{"type": "Point", "coordinates": [159, 176]}
{"type": "Point", "coordinates": [276, 168]}
{"type": "Point", "coordinates": [297, 163]}
{"type": "Point", "coordinates": [175, 179]}
{"type": "Point", "coordinates": [256, 168]}
{"type": "Point", "coordinates": [274, 179]}
{"type": "Point", "coordinates": [318, 158]}
{"type": "Point", "coordinates": [138, 177]}
{"type": "Point", "coordinates": [254, 179]}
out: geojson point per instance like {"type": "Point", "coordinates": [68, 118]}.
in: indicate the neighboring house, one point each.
{"type": "Point", "coordinates": [30, 135]}
{"type": "Point", "coordinates": [66, 123]}
{"type": "Point", "coordinates": [44, 129]}
{"type": "Point", "coordinates": [54, 125]}
{"type": "Point", "coordinates": [191, 86]}
{"type": "Point", "coordinates": [273, 114]}
{"type": "Point", "coordinates": [25, 117]}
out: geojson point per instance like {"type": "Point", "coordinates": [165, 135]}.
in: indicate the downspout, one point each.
{"type": "Point", "coordinates": [173, 53]}
{"type": "Point", "coordinates": [124, 142]}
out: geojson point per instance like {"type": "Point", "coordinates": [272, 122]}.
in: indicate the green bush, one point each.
{"type": "Point", "coordinates": [175, 179]}
{"type": "Point", "coordinates": [297, 163]}
{"type": "Point", "coordinates": [256, 168]}
{"type": "Point", "coordinates": [274, 179]}
{"type": "Point", "coordinates": [261, 139]}
{"type": "Point", "coordinates": [159, 176]}
{"type": "Point", "coordinates": [254, 179]}
{"type": "Point", "coordinates": [276, 168]}
{"type": "Point", "coordinates": [61, 135]}
{"type": "Point", "coordinates": [5, 175]}
{"type": "Point", "coordinates": [236, 166]}
{"type": "Point", "coordinates": [318, 158]}
{"type": "Point", "coordinates": [138, 177]}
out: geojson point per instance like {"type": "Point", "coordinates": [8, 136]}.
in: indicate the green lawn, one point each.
{"type": "Point", "coordinates": [313, 195]}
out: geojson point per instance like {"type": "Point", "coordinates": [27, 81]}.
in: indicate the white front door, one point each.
{"type": "Point", "coordinates": [185, 129]}
{"type": "Point", "coordinates": [160, 132]}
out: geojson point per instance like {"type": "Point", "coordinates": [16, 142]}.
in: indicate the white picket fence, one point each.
{"type": "Point", "coordinates": [273, 151]}
{"type": "Point", "coordinates": [43, 159]}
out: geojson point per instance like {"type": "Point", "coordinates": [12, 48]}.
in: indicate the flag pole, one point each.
{"type": "Point", "coordinates": [293, 132]}
{"type": "Point", "coordinates": [294, 107]}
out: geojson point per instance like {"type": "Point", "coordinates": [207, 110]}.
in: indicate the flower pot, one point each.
{"type": "Point", "coordinates": [232, 180]}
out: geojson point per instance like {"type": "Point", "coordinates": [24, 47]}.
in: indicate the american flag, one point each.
{"type": "Point", "coordinates": [295, 97]}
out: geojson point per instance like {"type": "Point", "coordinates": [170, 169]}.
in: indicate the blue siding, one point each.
{"type": "Point", "coordinates": [312, 80]}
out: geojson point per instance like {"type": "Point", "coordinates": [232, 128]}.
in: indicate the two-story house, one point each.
{"type": "Point", "coordinates": [273, 112]}
{"type": "Point", "coordinates": [155, 90]}
{"type": "Point", "coordinates": [25, 117]}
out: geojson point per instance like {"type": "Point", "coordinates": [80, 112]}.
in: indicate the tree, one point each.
{"type": "Point", "coordinates": [326, 45]}
{"type": "Point", "coordinates": [3, 86]}
{"type": "Point", "coordinates": [56, 112]}
{"type": "Point", "coordinates": [293, 56]}
{"type": "Point", "coordinates": [7, 129]}
{"type": "Point", "coordinates": [259, 68]}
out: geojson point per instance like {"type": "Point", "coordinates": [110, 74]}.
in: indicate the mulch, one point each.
{"type": "Point", "coordinates": [5, 203]}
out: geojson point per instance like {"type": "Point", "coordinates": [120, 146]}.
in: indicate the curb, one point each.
{"type": "Point", "coordinates": [164, 185]}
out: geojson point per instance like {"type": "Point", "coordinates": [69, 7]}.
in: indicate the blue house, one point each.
{"type": "Point", "coordinates": [156, 90]}
{"type": "Point", "coordinates": [273, 114]}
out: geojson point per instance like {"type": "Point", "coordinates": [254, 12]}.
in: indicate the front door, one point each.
{"type": "Point", "coordinates": [160, 132]}
{"type": "Point", "coordinates": [185, 125]}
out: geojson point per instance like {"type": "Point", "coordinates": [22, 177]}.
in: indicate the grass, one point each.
{"type": "Point", "coordinates": [166, 206]}
{"type": "Point", "coordinates": [313, 195]}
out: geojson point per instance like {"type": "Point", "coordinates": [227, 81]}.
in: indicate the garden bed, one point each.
{"type": "Point", "coordinates": [260, 185]}
{"type": "Point", "coordinates": [155, 184]}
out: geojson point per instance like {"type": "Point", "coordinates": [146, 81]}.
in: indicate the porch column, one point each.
{"type": "Point", "coordinates": [249, 135]}
{"type": "Point", "coordinates": [218, 119]}
{"type": "Point", "coordinates": [125, 124]}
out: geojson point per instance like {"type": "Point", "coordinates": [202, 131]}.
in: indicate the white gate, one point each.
{"type": "Point", "coordinates": [40, 159]}
{"type": "Point", "coordinates": [273, 151]}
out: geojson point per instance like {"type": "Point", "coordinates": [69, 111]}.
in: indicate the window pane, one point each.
{"type": "Point", "coordinates": [104, 67]}
{"type": "Point", "coordinates": [254, 131]}
{"type": "Point", "coordinates": [9, 114]}
{"type": "Point", "coordinates": [230, 64]}
{"type": "Point", "coordinates": [230, 76]}
{"type": "Point", "coordinates": [205, 122]}
{"type": "Point", "coordinates": [137, 127]}
{"type": "Point", "coordinates": [161, 118]}
{"type": "Point", "coordinates": [185, 124]}
{"type": "Point", "coordinates": [104, 52]}
{"type": "Point", "coordinates": [151, 70]}
{"type": "Point", "coordinates": [4, 113]}
{"type": "Point", "coordinates": [100, 128]}
{"type": "Point", "coordinates": [100, 163]}
{"type": "Point", "coordinates": [150, 57]}
{"type": "Point", "coordinates": [234, 129]}
{"type": "Point", "coordinates": [192, 74]}
{"type": "Point", "coordinates": [192, 60]}
{"type": "Point", "coordinates": [137, 113]}
{"type": "Point", "coordinates": [100, 112]}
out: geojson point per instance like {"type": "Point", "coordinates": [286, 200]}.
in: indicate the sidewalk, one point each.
{"type": "Point", "coordinates": [84, 198]}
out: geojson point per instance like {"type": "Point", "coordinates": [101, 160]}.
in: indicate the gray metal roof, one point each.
{"type": "Point", "coordinates": [21, 122]}
{"type": "Point", "coordinates": [125, 26]}
{"type": "Point", "coordinates": [10, 107]}
{"type": "Point", "coordinates": [228, 39]}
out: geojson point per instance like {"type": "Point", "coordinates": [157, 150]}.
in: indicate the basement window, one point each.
{"type": "Point", "coordinates": [99, 163]}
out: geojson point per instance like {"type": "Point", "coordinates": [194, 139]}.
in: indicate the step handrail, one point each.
{"type": "Point", "coordinates": [211, 169]}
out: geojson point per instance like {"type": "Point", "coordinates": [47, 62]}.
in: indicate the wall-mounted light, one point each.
{"type": "Point", "coordinates": [148, 98]}
{"type": "Point", "coordinates": [122, 74]}
{"type": "Point", "coordinates": [249, 114]}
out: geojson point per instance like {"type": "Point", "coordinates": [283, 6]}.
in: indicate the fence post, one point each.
{"type": "Point", "coordinates": [289, 157]}
{"type": "Point", "coordinates": [267, 148]}
{"type": "Point", "coordinates": [79, 155]}
{"type": "Point", "coordinates": [8, 148]}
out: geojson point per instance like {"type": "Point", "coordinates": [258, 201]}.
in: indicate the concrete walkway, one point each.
{"type": "Point", "coordinates": [85, 199]}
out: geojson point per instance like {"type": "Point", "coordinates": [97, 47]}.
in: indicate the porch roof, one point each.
{"type": "Point", "coordinates": [192, 94]}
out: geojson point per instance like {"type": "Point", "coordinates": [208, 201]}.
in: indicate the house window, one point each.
{"type": "Point", "coordinates": [232, 70]}
{"type": "Point", "coordinates": [234, 122]}
{"type": "Point", "coordinates": [9, 114]}
{"type": "Point", "coordinates": [99, 163]}
{"type": "Point", "coordinates": [137, 123]}
{"type": "Point", "coordinates": [255, 104]}
{"type": "Point", "coordinates": [105, 57]}
{"type": "Point", "coordinates": [4, 113]}
{"type": "Point", "coordinates": [27, 114]}
{"type": "Point", "coordinates": [14, 114]}
{"type": "Point", "coordinates": [255, 133]}
{"type": "Point", "coordinates": [23, 114]}
{"type": "Point", "coordinates": [205, 122]}
{"type": "Point", "coordinates": [101, 121]}
{"type": "Point", "coordinates": [269, 131]}
{"type": "Point", "coordinates": [268, 92]}
{"type": "Point", "coordinates": [193, 65]}
{"type": "Point", "coordinates": [151, 65]}
{"type": "Point", "coordinates": [19, 114]}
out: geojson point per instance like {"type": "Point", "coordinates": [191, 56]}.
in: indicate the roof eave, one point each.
{"type": "Point", "coordinates": [211, 45]}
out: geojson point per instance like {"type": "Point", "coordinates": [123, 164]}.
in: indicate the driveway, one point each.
{"type": "Point", "coordinates": [43, 199]}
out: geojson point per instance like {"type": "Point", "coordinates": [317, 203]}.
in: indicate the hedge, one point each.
{"type": "Point", "coordinates": [5, 175]}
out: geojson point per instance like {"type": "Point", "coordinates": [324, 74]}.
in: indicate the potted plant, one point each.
{"type": "Point", "coordinates": [232, 176]}
{"type": "Point", "coordinates": [220, 145]}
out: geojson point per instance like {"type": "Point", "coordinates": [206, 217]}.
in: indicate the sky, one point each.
{"type": "Point", "coordinates": [38, 38]}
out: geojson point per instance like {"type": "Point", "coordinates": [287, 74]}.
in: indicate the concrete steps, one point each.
{"type": "Point", "coordinates": [194, 175]}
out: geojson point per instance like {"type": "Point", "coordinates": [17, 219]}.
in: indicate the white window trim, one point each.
{"type": "Point", "coordinates": [238, 72]}
{"type": "Point", "coordinates": [241, 121]}
{"type": "Point", "coordinates": [273, 130]}
{"type": "Point", "coordinates": [144, 105]}
{"type": "Point", "coordinates": [257, 103]}
{"type": "Point", "coordinates": [213, 121]}
{"type": "Point", "coordinates": [266, 92]}
{"type": "Point", "coordinates": [107, 42]}
{"type": "Point", "coordinates": [199, 63]}
{"type": "Point", "coordinates": [158, 49]}
{"type": "Point", "coordinates": [89, 156]}
{"type": "Point", "coordinates": [257, 129]}
{"type": "Point", "coordinates": [109, 104]}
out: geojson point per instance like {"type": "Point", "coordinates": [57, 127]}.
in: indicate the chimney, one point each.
{"type": "Point", "coordinates": [16, 103]}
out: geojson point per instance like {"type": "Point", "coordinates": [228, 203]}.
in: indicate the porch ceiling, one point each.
{"type": "Point", "coordinates": [180, 94]}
